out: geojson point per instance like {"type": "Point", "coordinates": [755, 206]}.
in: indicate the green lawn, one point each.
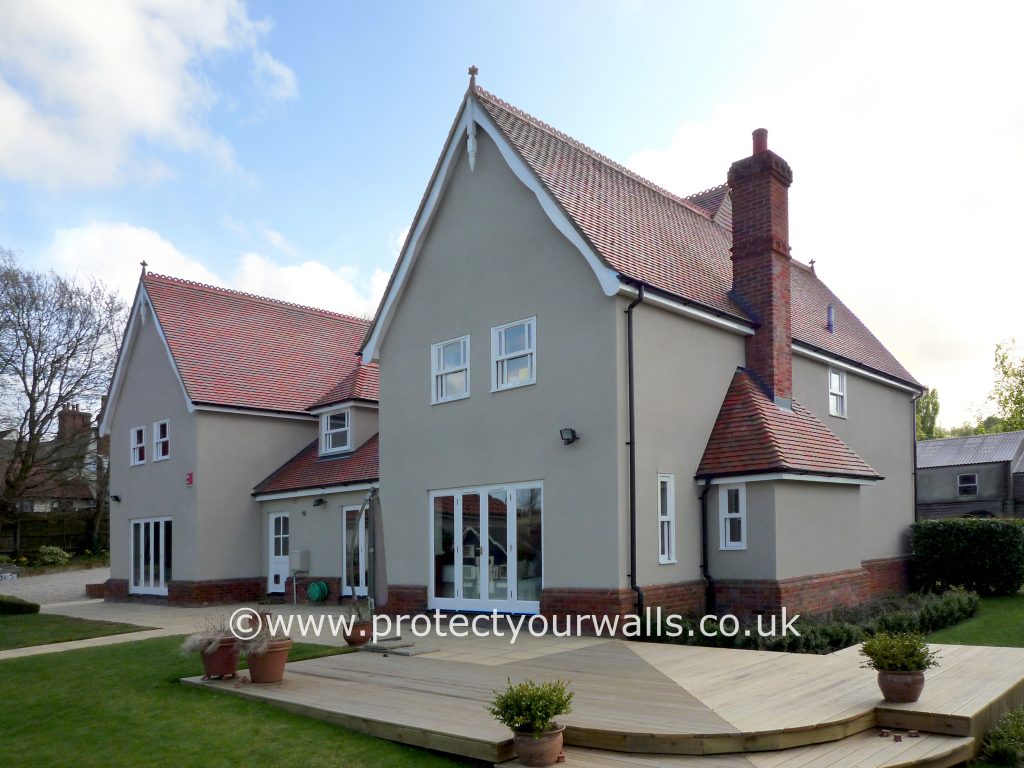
{"type": "Point", "coordinates": [1000, 621]}
{"type": "Point", "coordinates": [42, 628]}
{"type": "Point", "coordinates": [122, 705]}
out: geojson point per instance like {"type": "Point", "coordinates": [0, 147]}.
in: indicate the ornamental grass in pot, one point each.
{"type": "Point", "coordinates": [530, 709]}
{"type": "Point", "coordinates": [266, 653]}
{"type": "Point", "coordinates": [900, 660]}
{"type": "Point", "coordinates": [217, 647]}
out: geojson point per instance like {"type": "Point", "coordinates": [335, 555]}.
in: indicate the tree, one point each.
{"type": "Point", "coordinates": [927, 414]}
{"type": "Point", "coordinates": [58, 347]}
{"type": "Point", "coordinates": [1008, 390]}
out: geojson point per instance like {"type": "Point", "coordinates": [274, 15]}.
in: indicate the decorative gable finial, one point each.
{"type": "Point", "coordinates": [473, 72]}
{"type": "Point", "coordinates": [144, 265]}
{"type": "Point", "coordinates": [812, 266]}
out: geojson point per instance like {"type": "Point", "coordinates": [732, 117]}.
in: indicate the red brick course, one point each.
{"type": "Point", "coordinates": [96, 591]}
{"type": "Point", "coordinates": [216, 591]}
{"type": "Point", "coordinates": [406, 599]}
{"type": "Point", "coordinates": [685, 597]}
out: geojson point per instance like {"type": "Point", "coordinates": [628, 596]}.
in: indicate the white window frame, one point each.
{"type": "Point", "coordinates": [134, 444]}
{"type": "Point", "coordinates": [438, 370]}
{"type": "Point", "coordinates": [840, 393]}
{"type": "Point", "coordinates": [153, 576]}
{"type": "Point", "coordinates": [498, 357]}
{"type": "Point", "coordinates": [667, 518]}
{"type": "Point", "coordinates": [724, 515]}
{"type": "Point", "coordinates": [325, 420]}
{"type": "Point", "coordinates": [158, 441]}
{"type": "Point", "coordinates": [960, 485]}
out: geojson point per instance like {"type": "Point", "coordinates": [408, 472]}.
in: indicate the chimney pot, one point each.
{"type": "Point", "coordinates": [760, 141]}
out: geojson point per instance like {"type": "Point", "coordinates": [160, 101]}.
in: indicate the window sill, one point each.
{"type": "Point", "coordinates": [514, 386]}
{"type": "Point", "coordinates": [334, 452]}
{"type": "Point", "coordinates": [161, 458]}
{"type": "Point", "coordinates": [837, 415]}
{"type": "Point", "coordinates": [668, 562]}
{"type": "Point", "coordinates": [733, 548]}
{"type": "Point", "coordinates": [450, 399]}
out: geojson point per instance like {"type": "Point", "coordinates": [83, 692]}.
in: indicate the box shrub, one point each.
{"type": "Point", "coordinates": [1004, 744]}
{"type": "Point", "coordinates": [982, 555]}
{"type": "Point", "coordinates": [52, 556]}
{"type": "Point", "coordinates": [10, 605]}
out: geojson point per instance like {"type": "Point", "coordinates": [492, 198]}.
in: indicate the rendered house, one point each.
{"type": "Point", "coordinates": [217, 392]}
{"type": "Point", "coordinates": [975, 476]}
{"type": "Point", "coordinates": [597, 395]}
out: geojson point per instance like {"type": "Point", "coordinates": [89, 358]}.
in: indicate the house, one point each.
{"type": "Point", "coordinates": [229, 416]}
{"type": "Point", "coordinates": [974, 476]}
{"type": "Point", "coordinates": [600, 396]}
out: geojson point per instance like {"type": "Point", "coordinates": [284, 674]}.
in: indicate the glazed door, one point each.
{"type": "Point", "coordinates": [354, 535]}
{"type": "Point", "coordinates": [277, 572]}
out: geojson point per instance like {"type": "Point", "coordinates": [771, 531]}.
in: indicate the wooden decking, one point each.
{"type": "Point", "coordinates": [639, 702]}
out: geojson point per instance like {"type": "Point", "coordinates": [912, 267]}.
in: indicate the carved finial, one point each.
{"type": "Point", "coordinates": [812, 266]}
{"type": "Point", "coordinates": [144, 265]}
{"type": "Point", "coordinates": [473, 72]}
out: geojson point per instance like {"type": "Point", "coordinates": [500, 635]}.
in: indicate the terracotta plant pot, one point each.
{"type": "Point", "coordinates": [361, 633]}
{"type": "Point", "coordinates": [901, 687]}
{"type": "Point", "coordinates": [269, 667]}
{"type": "Point", "coordinates": [223, 661]}
{"type": "Point", "coordinates": [538, 751]}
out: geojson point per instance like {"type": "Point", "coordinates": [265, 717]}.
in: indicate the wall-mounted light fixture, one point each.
{"type": "Point", "coordinates": [116, 498]}
{"type": "Point", "coordinates": [569, 435]}
{"type": "Point", "coordinates": [319, 502]}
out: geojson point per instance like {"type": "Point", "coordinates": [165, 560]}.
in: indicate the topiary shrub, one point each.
{"type": "Point", "coordinates": [10, 605]}
{"type": "Point", "coordinates": [983, 555]}
{"type": "Point", "coordinates": [898, 652]}
{"type": "Point", "coordinates": [530, 707]}
{"type": "Point", "coordinates": [1004, 744]}
{"type": "Point", "coordinates": [52, 556]}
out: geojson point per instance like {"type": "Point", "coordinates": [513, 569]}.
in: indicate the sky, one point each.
{"type": "Point", "coordinates": [282, 148]}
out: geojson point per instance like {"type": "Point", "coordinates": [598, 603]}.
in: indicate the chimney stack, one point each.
{"type": "Point", "coordinates": [72, 422]}
{"type": "Point", "coordinates": [759, 188]}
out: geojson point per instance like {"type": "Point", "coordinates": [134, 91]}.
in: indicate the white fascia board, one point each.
{"type": "Point", "coordinates": [679, 307]}
{"type": "Point", "coordinates": [345, 404]}
{"type": "Point", "coordinates": [254, 412]}
{"type": "Point", "coordinates": [794, 476]}
{"type": "Point", "coordinates": [473, 113]}
{"type": "Point", "coordinates": [814, 354]}
{"type": "Point", "coordinates": [305, 492]}
{"type": "Point", "coordinates": [141, 305]}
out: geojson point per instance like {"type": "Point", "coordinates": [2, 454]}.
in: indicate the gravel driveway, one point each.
{"type": "Point", "coordinates": [62, 587]}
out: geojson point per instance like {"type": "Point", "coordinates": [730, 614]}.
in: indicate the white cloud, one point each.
{"type": "Point", "coordinates": [908, 202]}
{"type": "Point", "coordinates": [112, 252]}
{"type": "Point", "coordinates": [86, 88]}
{"type": "Point", "coordinates": [280, 242]}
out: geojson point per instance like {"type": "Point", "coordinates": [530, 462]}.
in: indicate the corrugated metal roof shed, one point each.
{"type": "Point", "coordinates": [975, 449]}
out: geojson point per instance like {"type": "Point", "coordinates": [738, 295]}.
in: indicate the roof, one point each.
{"type": "Point", "coordinates": [308, 470]}
{"type": "Point", "coordinates": [673, 244]}
{"type": "Point", "coordinates": [753, 435]}
{"type": "Point", "coordinates": [237, 350]}
{"type": "Point", "coordinates": [973, 449]}
{"type": "Point", "coordinates": [362, 384]}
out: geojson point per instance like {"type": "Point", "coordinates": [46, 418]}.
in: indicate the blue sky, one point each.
{"type": "Point", "coordinates": [283, 148]}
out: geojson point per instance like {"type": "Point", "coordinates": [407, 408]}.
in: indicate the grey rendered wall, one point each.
{"type": "Point", "coordinates": [150, 392]}
{"type": "Point", "coordinates": [682, 371]}
{"type": "Point", "coordinates": [880, 428]}
{"type": "Point", "coordinates": [820, 528]}
{"type": "Point", "coordinates": [759, 559]}
{"type": "Point", "coordinates": [236, 451]}
{"type": "Point", "coordinates": [364, 424]}
{"type": "Point", "coordinates": [490, 257]}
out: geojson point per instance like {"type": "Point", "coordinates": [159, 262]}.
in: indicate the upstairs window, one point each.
{"type": "Point", "coordinates": [137, 440]}
{"type": "Point", "coordinates": [514, 354]}
{"type": "Point", "coordinates": [967, 485]}
{"type": "Point", "coordinates": [666, 519]}
{"type": "Point", "coordinates": [733, 516]}
{"type": "Point", "coordinates": [450, 370]}
{"type": "Point", "coordinates": [161, 440]}
{"type": "Point", "coordinates": [837, 393]}
{"type": "Point", "coordinates": [335, 432]}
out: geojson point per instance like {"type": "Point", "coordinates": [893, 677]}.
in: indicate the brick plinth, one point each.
{"type": "Point", "coordinates": [406, 599]}
{"type": "Point", "coordinates": [116, 590]}
{"type": "Point", "coordinates": [216, 591]}
{"type": "Point", "coordinates": [96, 591]}
{"type": "Point", "coordinates": [686, 598]}
{"type": "Point", "coordinates": [889, 575]}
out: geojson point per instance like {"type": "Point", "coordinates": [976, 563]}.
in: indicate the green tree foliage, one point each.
{"type": "Point", "coordinates": [1008, 390]}
{"type": "Point", "coordinates": [927, 414]}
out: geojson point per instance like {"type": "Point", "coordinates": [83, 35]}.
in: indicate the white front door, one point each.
{"type": "Point", "coordinates": [353, 532]}
{"type": "Point", "coordinates": [277, 573]}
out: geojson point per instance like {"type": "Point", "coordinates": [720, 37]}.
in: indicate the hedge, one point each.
{"type": "Point", "coordinates": [9, 604]}
{"type": "Point", "coordinates": [982, 555]}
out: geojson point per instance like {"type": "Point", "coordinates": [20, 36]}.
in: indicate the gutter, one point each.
{"type": "Point", "coordinates": [632, 452]}
{"type": "Point", "coordinates": [709, 584]}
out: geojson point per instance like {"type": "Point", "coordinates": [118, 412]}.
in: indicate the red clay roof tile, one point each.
{"type": "Point", "coordinates": [308, 470]}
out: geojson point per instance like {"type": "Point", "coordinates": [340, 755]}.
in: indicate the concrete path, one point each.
{"type": "Point", "coordinates": [61, 587]}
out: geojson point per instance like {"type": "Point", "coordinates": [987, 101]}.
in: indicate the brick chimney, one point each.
{"type": "Point", "coordinates": [71, 422]}
{"type": "Point", "coordinates": [759, 188]}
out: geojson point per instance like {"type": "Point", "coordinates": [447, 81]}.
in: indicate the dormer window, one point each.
{"type": "Point", "coordinates": [335, 432]}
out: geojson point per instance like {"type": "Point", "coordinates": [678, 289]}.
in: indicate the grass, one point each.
{"type": "Point", "coordinates": [122, 705]}
{"type": "Point", "coordinates": [42, 628]}
{"type": "Point", "coordinates": [1000, 621]}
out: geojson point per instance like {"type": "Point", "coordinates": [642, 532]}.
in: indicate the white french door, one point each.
{"type": "Point", "coordinates": [353, 542]}
{"type": "Point", "coordinates": [277, 570]}
{"type": "Point", "coordinates": [486, 548]}
{"type": "Point", "coordinates": [150, 556]}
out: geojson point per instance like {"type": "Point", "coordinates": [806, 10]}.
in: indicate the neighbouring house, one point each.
{"type": "Point", "coordinates": [230, 418]}
{"type": "Point", "coordinates": [598, 395]}
{"type": "Point", "coordinates": [974, 476]}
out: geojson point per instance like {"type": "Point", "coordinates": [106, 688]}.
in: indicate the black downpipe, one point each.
{"type": "Point", "coordinates": [632, 453]}
{"type": "Point", "coordinates": [709, 584]}
{"type": "Point", "coordinates": [913, 418]}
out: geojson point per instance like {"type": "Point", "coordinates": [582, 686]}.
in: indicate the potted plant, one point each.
{"type": "Point", "coordinates": [217, 647]}
{"type": "Point", "coordinates": [529, 709]}
{"type": "Point", "coordinates": [901, 660]}
{"type": "Point", "coordinates": [266, 653]}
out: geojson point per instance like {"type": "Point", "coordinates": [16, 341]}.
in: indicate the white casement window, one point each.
{"type": "Point", "coordinates": [837, 393]}
{"type": "Point", "coordinates": [967, 485]}
{"type": "Point", "coordinates": [449, 363]}
{"type": "Point", "coordinates": [666, 518]}
{"type": "Point", "coordinates": [137, 440]}
{"type": "Point", "coordinates": [514, 354]}
{"type": "Point", "coordinates": [335, 432]}
{"type": "Point", "coordinates": [732, 516]}
{"type": "Point", "coordinates": [161, 440]}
